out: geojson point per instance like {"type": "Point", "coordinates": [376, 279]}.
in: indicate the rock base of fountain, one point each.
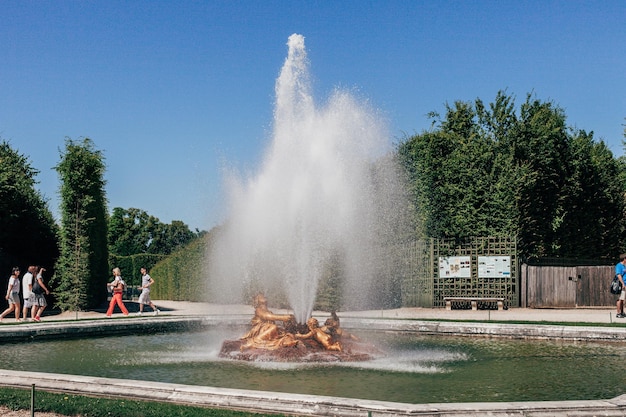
{"type": "Point", "coordinates": [304, 351]}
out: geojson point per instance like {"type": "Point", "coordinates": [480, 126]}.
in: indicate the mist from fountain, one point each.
{"type": "Point", "coordinates": [326, 190]}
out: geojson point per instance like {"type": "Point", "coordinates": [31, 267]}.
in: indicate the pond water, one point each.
{"type": "Point", "coordinates": [416, 369]}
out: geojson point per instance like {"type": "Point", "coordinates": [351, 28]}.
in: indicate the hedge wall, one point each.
{"type": "Point", "coordinates": [179, 276]}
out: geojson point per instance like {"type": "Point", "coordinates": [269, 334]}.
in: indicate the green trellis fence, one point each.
{"type": "Point", "coordinates": [479, 267]}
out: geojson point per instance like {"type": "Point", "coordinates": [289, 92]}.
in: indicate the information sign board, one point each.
{"type": "Point", "coordinates": [494, 266]}
{"type": "Point", "coordinates": [455, 267]}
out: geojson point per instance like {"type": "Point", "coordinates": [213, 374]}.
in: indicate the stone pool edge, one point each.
{"type": "Point", "coordinates": [296, 404]}
{"type": "Point", "coordinates": [31, 331]}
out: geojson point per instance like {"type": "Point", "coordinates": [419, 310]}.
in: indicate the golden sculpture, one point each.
{"type": "Point", "coordinates": [322, 336]}
{"type": "Point", "coordinates": [265, 334]}
{"type": "Point", "coordinates": [331, 326]}
{"type": "Point", "coordinates": [278, 337]}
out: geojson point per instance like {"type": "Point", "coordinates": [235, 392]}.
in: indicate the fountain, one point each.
{"type": "Point", "coordinates": [327, 195]}
{"type": "Point", "coordinates": [291, 342]}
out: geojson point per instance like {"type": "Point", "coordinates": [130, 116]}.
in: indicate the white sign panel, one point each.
{"type": "Point", "coordinates": [455, 267]}
{"type": "Point", "coordinates": [494, 266]}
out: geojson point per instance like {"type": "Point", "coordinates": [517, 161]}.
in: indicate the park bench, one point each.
{"type": "Point", "coordinates": [474, 301]}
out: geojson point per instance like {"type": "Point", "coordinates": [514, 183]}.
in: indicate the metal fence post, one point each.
{"type": "Point", "coordinates": [32, 401]}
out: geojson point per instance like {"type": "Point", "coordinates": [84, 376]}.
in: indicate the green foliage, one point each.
{"type": "Point", "coordinates": [82, 268]}
{"type": "Point", "coordinates": [169, 237]}
{"type": "Point", "coordinates": [541, 144]}
{"type": "Point", "coordinates": [80, 405]}
{"type": "Point", "coordinates": [72, 268]}
{"type": "Point", "coordinates": [328, 297]}
{"type": "Point", "coordinates": [134, 231]}
{"type": "Point", "coordinates": [180, 275]}
{"type": "Point", "coordinates": [137, 239]}
{"type": "Point", "coordinates": [489, 171]}
{"type": "Point", "coordinates": [462, 185]}
{"type": "Point", "coordinates": [28, 233]}
{"type": "Point", "coordinates": [128, 231]}
{"type": "Point", "coordinates": [593, 204]}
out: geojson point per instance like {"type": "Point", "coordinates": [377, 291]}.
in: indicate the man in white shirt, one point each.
{"type": "Point", "coordinates": [144, 297]}
{"type": "Point", "coordinates": [27, 287]}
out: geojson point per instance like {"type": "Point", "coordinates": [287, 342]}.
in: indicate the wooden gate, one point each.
{"type": "Point", "coordinates": [592, 286]}
{"type": "Point", "coordinates": [566, 286]}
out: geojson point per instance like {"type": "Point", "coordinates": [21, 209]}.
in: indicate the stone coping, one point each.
{"type": "Point", "coordinates": [145, 325]}
{"type": "Point", "coordinates": [297, 404]}
{"type": "Point", "coordinates": [89, 328]}
{"type": "Point", "coordinates": [505, 330]}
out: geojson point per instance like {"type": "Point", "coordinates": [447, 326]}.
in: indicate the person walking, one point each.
{"type": "Point", "coordinates": [620, 270]}
{"type": "Point", "coordinates": [39, 289]}
{"type": "Point", "coordinates": [117, 286]}
{"type": "Point", "coordinates": [144, 297]}
{"type": "Point", "coordinates": [27, 293]}
{"type": "Point", "coordinates": [13, 295]}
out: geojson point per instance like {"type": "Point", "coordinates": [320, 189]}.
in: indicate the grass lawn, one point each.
{"type": "Point", "coordinates": [73, 405]}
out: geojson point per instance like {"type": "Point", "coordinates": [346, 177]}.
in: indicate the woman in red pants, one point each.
{"type": "Point", "coordinates": [118, 286]}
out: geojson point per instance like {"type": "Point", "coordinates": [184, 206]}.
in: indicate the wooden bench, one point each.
{"type": "Point", "coordinates": [474, 301]}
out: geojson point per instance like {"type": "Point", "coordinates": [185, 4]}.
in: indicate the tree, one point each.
{"type": "Point", "coordinates": [28, 232]}
{"type": "Point", "coordinates": [169, 237]}
{"type": "Point", "coordinates": [133, 231]}
{"type": "Point", "coordinates": [82, 269]}
{"type": "Point", "coordinates": [540, 144]}
{"type": "Point", "coordinates": [592, 225]}
{"type": "Point", "coordinates": [129, 231]}
{"type": "Point", "coordinates": [487, 170]}
{"type": "Point", "coordinates": [137, 239]}
{"type": "Point", "coordinates": [462, 177]}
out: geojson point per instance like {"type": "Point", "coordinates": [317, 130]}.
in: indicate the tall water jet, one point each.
{"type": "Point", "coordinates": [326, 194]}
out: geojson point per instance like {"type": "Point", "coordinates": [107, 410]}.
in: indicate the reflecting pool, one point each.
{"type": "Point", "coordinates": [416, 369]}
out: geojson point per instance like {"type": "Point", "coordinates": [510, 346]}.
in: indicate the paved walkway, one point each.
{"type": "Point", "coordinates": [184, 308]}
{"type": "Point", "coordinates": [583, 315]}
{"type": "Point", "coordinates": [588, 315]}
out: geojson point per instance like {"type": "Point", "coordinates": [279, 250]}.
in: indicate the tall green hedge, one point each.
{"type": "Point", "coordinates": [81, 270]}
{"type": "Point", "coordinates": [179, 276]}
{"type": "Point", "coordinates": [28, 233]}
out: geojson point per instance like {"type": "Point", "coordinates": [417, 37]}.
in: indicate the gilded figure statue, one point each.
{"type": "Point", "coordinates": [278, 337]}
{"type": "Point", "coordinates": [319, 334]}
{"type": "Point", "coordinates": [332, 327]}
{"type": "Point", "coordinates": [265, 333]}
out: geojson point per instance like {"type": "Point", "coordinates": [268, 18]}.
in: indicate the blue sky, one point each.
{"type": "Point", "coordinates": [173, 91]}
